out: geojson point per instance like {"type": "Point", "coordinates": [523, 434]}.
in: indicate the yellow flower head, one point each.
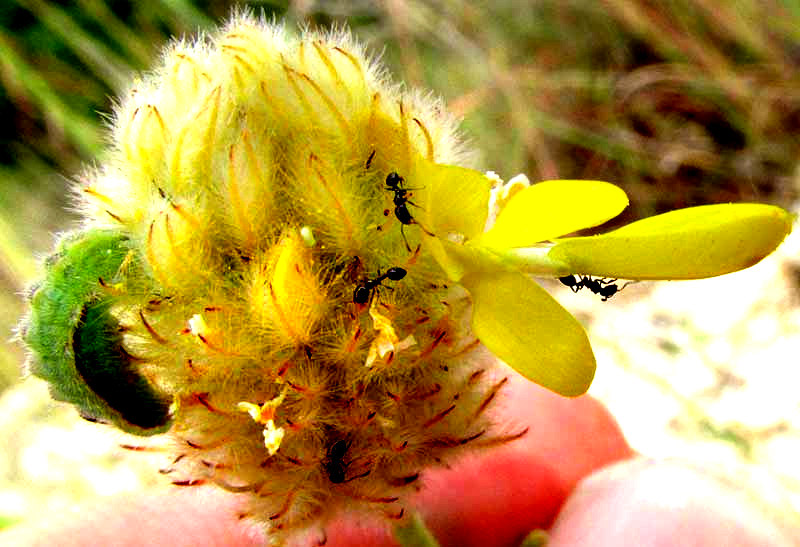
{"type": "Point", "coordinates": [265, 271]}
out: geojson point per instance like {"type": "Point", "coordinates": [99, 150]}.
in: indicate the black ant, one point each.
{"type": "Point", "coordinates": [363, 292]}
{"type": "Point", "coordinates": [334, 464]}
{"type": "Point", "coordinates": [604, 287]}
{"type": "Point", "coordinates": [394, 183]}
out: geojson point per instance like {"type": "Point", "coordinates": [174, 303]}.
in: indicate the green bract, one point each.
{"type": "Point", "coordinates": [76, 343]}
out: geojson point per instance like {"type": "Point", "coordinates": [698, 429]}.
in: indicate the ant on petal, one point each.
{"type": "Point", "coordinates": [603, 287]}
{"type": "Point", "coordinates": [363, 293]}
{"type": "Point", "coordinates": [394, 183]}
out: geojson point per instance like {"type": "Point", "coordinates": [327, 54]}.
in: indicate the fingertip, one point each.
{"type": "Point", "coordinates": [175, 517]}
{"type": "Point", "coordinates": [573, 436]}
{"type": "Point", "coordinates": [646, 502]}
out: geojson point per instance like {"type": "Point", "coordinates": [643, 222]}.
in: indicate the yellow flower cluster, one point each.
{"type": "Point", "coordinates": [273, 284]}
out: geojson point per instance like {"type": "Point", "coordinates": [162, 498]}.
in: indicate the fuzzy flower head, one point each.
{"type": "Point", "coordinates": [285, 271]}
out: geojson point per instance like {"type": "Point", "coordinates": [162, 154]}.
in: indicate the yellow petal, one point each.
{"type": "Point", "coordinates": [453, 199]}
{"type": "Point", "coordinates": [459, 260]}
{"type": "Point", "coordinates": [525, 327]}
{"type": "Point", "coordinates": [690, 243]}
{"type": "Point", "coordinates": [553, 208]}
{"type": "Point", "coordinates": [250, 408]}
{"type": "Point", "coordinates": [385, 340]}
{"type": "Point", "coordinates": [450, 265]}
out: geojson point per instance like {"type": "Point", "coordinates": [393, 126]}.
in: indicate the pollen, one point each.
{"type": "Point", "coordinates": [272, 435]}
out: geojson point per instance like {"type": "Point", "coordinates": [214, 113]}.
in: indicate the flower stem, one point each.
{"type": "Point", "coordinates": [535, 260]}
{"type": "Point", "coordinates": [414, 533]}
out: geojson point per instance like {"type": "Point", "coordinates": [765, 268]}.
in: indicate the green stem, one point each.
{"type": "Point", "coordinates": [414, 533]}
{"type": "Point", "coordinates": [459, 260]}
{"type": "Point", "coordinates": [534, 260]}
{"type": "Point", "coordinates": [537, 538]}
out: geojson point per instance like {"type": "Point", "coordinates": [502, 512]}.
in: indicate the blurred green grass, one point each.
{"type": "Point", "coordinates": [682, 102]}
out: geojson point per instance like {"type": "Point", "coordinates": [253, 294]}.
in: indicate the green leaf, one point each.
{"type": "Point", "coordinates": [553, 208]}
{"type": "Point", "coordinates": [691, 243]}
{"type": "Point", "coordinates": [453, 199]}
{"type": "Point", "coordinates": [525, 327]}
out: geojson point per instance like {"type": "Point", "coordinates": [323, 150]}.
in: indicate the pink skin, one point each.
{"type": "Point", "coordinates": [558, 476]}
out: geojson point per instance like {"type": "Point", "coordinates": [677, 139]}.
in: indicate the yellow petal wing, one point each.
{"type": "Point", "coordinates": [525, 327]}
{"type": "Point", "coordinates": [554, 208]}
{"type": "Point", "coordinates": [691, 243]}
{"type": "Point", "coordinates": [454, 199]}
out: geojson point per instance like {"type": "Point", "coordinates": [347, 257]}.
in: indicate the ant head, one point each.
{"type": "Point", "coordinates": [393, 180]}
{"type": "Point", "coordinates": [395, 274]}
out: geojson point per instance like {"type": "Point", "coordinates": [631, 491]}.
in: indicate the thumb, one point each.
{"type": "Point", "coordinates": [646, 502]}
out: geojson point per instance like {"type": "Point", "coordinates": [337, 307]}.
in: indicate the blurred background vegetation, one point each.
{"type": "Point", "coordinates": [680, 102]}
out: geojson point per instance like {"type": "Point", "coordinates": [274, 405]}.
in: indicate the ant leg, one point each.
{"type": "Point", "coordinates": [402, 233]}
{"type": "Point", "coordinates": [424, 229]}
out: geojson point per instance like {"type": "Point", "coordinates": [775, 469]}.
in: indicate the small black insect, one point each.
{"type": "Point", "coordinates": [603, 287]}
{"type": "Point", "coordinates": [333, 464]}
{"type": "Point", "coordinates": [362, 293]}
{"type": "Point", "coordinates": [394, 183]}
